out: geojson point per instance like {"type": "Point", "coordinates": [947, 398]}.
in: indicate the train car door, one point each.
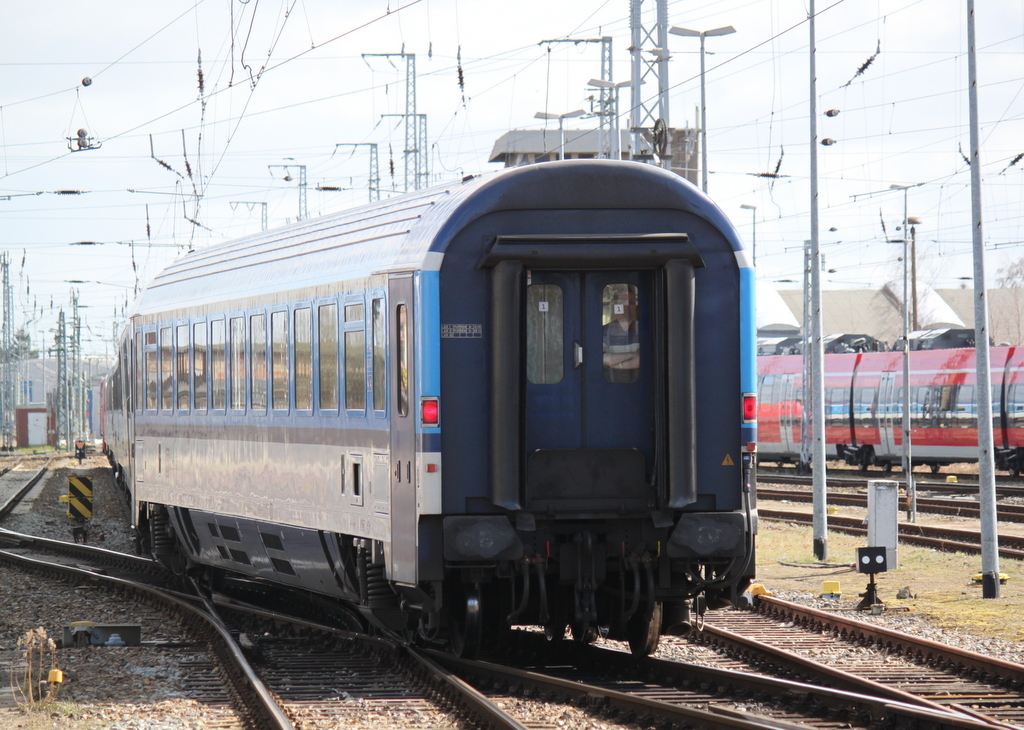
{"type": "Point", "coordinates": [889, 420]}
{"type": "Point", "coordinates": [403, 415]}
{"type": "Point", "coordinates": [589, 376]}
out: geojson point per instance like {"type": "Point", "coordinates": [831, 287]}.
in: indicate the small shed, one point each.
{"type": "Point", "coordinates": [32, 426]}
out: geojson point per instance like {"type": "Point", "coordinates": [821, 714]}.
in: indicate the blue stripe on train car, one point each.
{"type": "Point", "coordinates": [748, 344]}
{"type": "Point", "coordinates": [428, 373]}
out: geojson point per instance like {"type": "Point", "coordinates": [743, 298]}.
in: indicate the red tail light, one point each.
{"type": "Point", "coordinates": [749, 407]}
{"type": "Point", "coordinates": [429, 411]}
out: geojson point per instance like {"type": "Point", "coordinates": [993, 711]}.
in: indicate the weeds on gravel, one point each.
{"type": "Point", "coordinates": [35, 677]}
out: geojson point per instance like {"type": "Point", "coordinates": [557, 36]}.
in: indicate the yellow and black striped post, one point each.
{"type": "Point", "coordinates": [79, 497]}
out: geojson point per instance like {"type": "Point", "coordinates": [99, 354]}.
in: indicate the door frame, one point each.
{"type": "Point", "coordinates": [403, 438]}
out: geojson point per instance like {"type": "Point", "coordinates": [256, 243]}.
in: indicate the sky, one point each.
{"type": "Point", "coordinates": [195, 112]}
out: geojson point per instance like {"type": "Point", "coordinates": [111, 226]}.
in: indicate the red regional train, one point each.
{"type": "Point", "coordinates": [864, 404]}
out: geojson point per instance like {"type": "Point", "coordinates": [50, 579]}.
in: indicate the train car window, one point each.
{"type": "Point", "coordinates": [218, 366]}
{"type": "Point", "coordinates": [166, 369]}
{"type": "Point", "coordinates": [327, 326]}
{"type": "Point", "coordinates": [544, 334]}
{"type": "Point", "coordinates": [947, 406]}
{"type": "Point", "coordinates": [997, 403]}
{"type": "Point", "coordinates": [355, 358]}
{"type": "Point", "coordinates": [122, 377]}
{"type": "Point", "coordinates": [379, 350]}
{"type": "Point", "coordinates": [864, 405]}
{"type": "Point", "coordinates": [967, 415]}
{"type": "Point", "coordinates": [620, 338]}
{"type": "Point", "coordinates": [402, 361]}
{"type": "Point", "coordinates": [303, 358]}
{"type": "Point", "coordinates": [924, 406]}
{"type": "Point", "coordinates": [837, 407]}
{"type": "Point", "coordinates": [353, 312]}
{"type": "Point", "coordinates": [279, 360]}
{"type": "Point", "coordinates": [182, 369]}
{"type": "Point", "coordinates": [199, 366]}
{"type": "Point", "coordinates": [258, 362]}
{"type": "Point", "coordinates": [237, 345]}
{"type": "Point", "coordinates": [355, 370]}
{"type": "Point", "coordinates": [140, 371]}
{"type": "Point", "coordinates": [1014, 406]}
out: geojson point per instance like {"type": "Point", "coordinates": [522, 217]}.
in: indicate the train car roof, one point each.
{"type": "Point", "coordinates": [411, 232]}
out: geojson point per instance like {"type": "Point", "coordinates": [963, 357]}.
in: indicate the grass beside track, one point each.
{"type": "Point", "coordinates": [941, 585]}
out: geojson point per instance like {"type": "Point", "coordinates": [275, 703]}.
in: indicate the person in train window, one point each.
{"type": "Point", "coordinates": [621, 342]}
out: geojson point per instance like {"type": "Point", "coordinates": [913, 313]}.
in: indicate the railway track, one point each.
{"type": "Point", "coordinates": [1005, 486]}
{"type": "Point", "coordinates": [988, 689]}
{"type": "Point", "coordinates": [967, 508]}
{"type": "Point", "coordinates": [289, 685]}
{"type": "Point", "coordinates": [310, 673]}
{"type": "Point", "coordinates": [602, 683]}
{"type": "Point", "coordinates": [946, 539]}
{"type": "Point", "coordinates": [13, 487]}
{"type": "Point", "coordinates": [646, 691]}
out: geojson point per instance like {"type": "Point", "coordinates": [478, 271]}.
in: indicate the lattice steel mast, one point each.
{"type": "Point", "coordinates": [649, 116]}
{"type": "Point", "coordinates": [7, 388]}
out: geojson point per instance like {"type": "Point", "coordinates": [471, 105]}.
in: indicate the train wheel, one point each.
{"type": "Point", "coordinates": [467, 626]}
{"type": "Point", "coordinates": [643, 633]}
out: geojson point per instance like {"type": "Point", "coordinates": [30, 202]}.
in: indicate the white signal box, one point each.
{"type": "Point", "coordinates": [883, 523]}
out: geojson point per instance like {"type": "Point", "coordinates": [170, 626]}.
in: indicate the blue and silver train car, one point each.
{"type": "Point", "coordinates": [522, 398]}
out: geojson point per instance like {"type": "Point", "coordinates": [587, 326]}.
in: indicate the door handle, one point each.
{"type": "Point", "coordinates": [577, 354]}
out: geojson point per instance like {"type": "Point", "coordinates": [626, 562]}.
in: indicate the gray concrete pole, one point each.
{"type": "Point", "coordinates": [820, 516]}
{"type": "Point", "coordinates": [986, 452]}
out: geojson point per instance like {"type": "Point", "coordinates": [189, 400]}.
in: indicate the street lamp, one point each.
{"type": "Point", "coordinates": [907, 462]}
{"type": "Point", "coordinates": [753, 234]}
{"type": "Point", "coordinates": [561, 129]}
{"type": "Point", "coordinates": [616, 146]}
{"type": "Point", "coordinates": [703, 106]}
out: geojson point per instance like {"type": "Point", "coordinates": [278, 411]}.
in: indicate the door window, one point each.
{"type": "Point", "coordinates": [620, 333]}
{"type": "Point", "coordinates": [402, 361]}
{"type": "Point", "coordinates": [544, 328]}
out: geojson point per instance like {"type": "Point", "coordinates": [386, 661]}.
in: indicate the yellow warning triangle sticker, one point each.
{"type": "Point", "coordinates": [727, 461]}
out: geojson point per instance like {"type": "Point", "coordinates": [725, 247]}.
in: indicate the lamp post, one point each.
{"type": "Point", "coordinates": [753, 234]}
{"type": "Point", "coordinates": [561, 128]}
{"type": "Point", "coordinates": [616, 146]}
{"type": "Point", "coordinates": [726, 30]}
{"type": "Point", "coordinates": [908, 467]}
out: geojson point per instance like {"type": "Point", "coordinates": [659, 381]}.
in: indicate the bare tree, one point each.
{"type": "Point", "coordinates": [1009, 305]}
